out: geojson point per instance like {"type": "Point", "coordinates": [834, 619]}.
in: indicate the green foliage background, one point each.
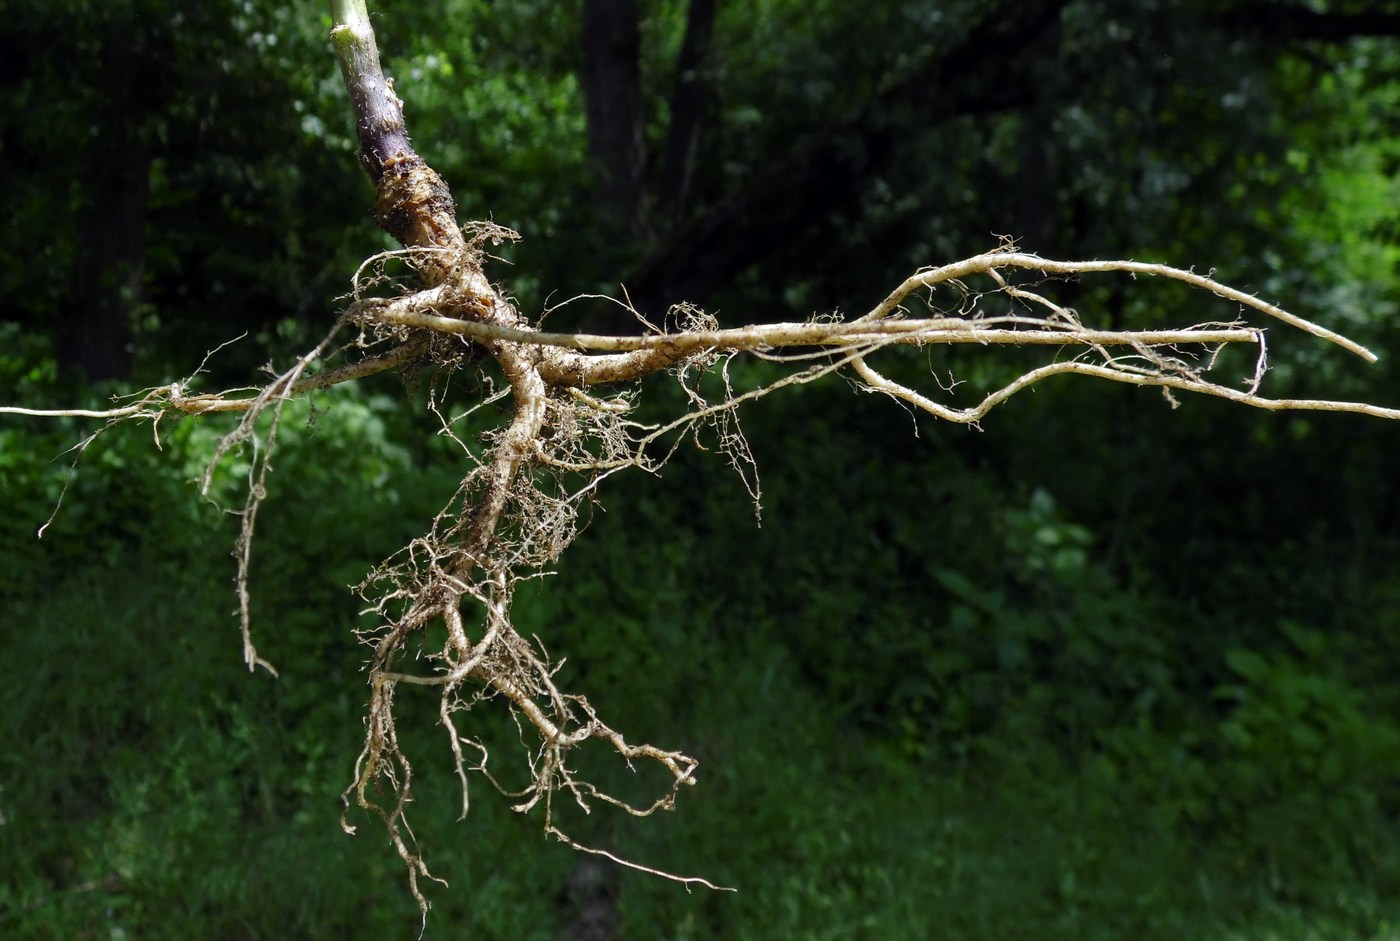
{"type": "Point", "coordinates": [1098, 669]}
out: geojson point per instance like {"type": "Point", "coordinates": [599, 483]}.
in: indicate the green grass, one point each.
{"type": "Point", "coordinates": [153, 788]}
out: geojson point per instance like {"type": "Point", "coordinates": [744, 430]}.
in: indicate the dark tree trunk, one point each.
{"type": "Point", "coordinates": [687, 108]}
{"type": "Point", "coordinates": [111, 239]}
{"type": "Point", "coordinates": [989, 70]}
{"type": "Point", "coordinates": [612, 88]}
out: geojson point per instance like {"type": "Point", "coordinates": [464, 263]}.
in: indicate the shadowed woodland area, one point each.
{"type": "Point", "coordinates": [1113, 663]}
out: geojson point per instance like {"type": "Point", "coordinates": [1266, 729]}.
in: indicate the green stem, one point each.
{"type": "Point", "coordinates": [414, 205]}
{"type": "Point", "coordinates": [378, 111]}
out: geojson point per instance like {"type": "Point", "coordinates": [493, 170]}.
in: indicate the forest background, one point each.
{"type": "Point", "coordinates": [1105, 666]}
